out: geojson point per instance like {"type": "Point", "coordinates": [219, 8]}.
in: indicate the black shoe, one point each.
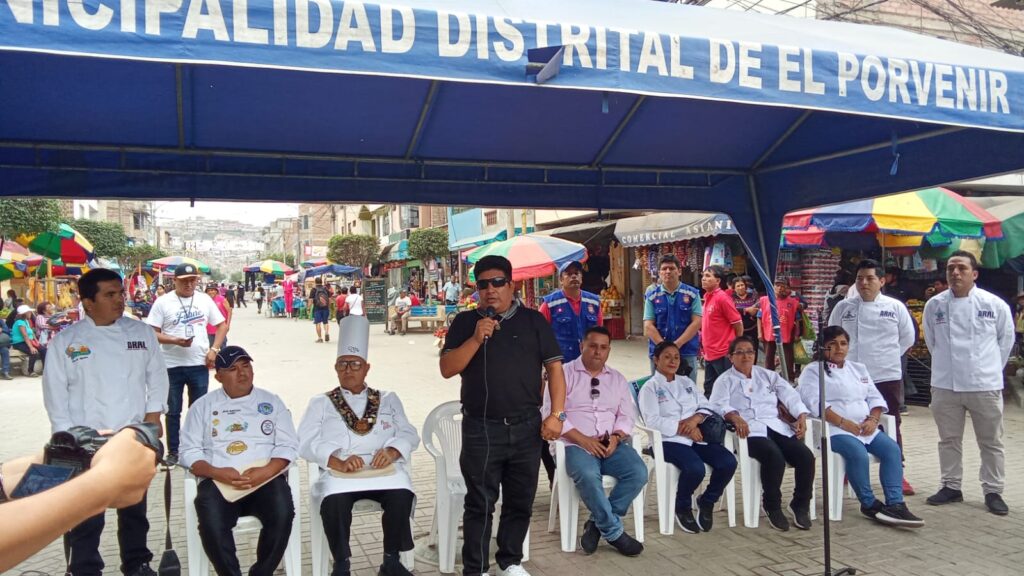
{"type": "Point", "coordinates": [342, 568]}
{"type": "Point", "coordinates": [686, 522]}
{"type": "Point", "coordinates": [705, 515]}
{"type": "Point", "coordinates": [995, 504]}
{"type": "Point", "coordinates": [778, 520]}
{"type": "Point", "coordinates": [898, 515]}
{"type": "Point", "coordinates": [873, 510]}
{"type": "Point", "coordinates": [591, 536]}
{"type": "Point", "coordinates": [392, 566]}
{"type": "Point", "coordinates": [143, 570]}
{"type": "Point", "coordinates": [945, 496]}
{"type": "Point", "coordinates": [171, 459]}
{"type": "Point", "coordinates": [627, 545]}
{"type": "Point", "coordinates": [801, 517]}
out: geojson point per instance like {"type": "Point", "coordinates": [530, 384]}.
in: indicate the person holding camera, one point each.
{"type": "Point", "coordinates": [106, 372]}
{"type": "Point", "coordinates": [238, 441]}
{"type": "Point", "coordinates": [673, 405]}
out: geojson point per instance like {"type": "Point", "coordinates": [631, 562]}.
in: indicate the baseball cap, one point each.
{"type": "Point", "coordinates": [227, 357]}
{"type": "Point", "coordinates": [24, 308]}
{"type": "Point", "coordinates": [185, 271]}
{"type": "Point", "coordinates": [566, 265]}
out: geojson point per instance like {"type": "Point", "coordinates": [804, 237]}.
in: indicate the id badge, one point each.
{"type": "Point", "coordinates": [189, 332]}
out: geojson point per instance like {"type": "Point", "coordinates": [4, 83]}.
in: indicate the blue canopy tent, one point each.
{"type": "Point", "coordinates": [336, 269]}
{"type": "Point", "coordinates": [602, 104]}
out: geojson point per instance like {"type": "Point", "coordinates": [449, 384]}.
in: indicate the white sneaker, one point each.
{"type": "Point", "coordinates": [513, 570]}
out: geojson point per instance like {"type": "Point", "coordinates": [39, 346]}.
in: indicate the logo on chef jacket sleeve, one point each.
{"type": "Point", "coordinates": [265, 408]}
{"type": "Point", "coordinates": [267, 427]}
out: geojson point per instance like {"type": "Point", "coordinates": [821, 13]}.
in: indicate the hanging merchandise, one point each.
{"type": "Point", "coordinates": [817, 275]}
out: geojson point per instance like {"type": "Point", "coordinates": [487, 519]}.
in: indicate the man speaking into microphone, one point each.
{"type": "Point", "coordinates": [499, 350]}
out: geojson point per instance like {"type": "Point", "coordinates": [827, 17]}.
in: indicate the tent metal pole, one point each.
{"type": "Point", "coordinates": [180, 103]}
{"type": "Point", "coordinates": [781, 139]}
{"type": "Point", "coordinates": [861, 149]}
{"type": "Point", "coordinates": [755, 203]}
{"type": "Point", "coordinates": [769, 274]}
{"type": "Point", "coordinates": [428, 104]}
{"type": "Point", "coordinates": [618, 131]}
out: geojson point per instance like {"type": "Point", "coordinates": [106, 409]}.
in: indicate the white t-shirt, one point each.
{"type": "Point", "coordinates": [403, 303]}
{"type": "Point", "coordinates": [185, 317]}
{"type": "Point", "coordinates": [355, 304]}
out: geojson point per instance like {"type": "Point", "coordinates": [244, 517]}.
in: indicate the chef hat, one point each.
{"type": "Point", "coordinates": [354, 339]}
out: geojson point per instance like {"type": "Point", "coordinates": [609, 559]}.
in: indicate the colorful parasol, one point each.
{"type": "Point", "coordinates": [172, 262]}
{"type": "Point", "coordinates": [10, 269]}
{"type": "Point", "coordinates": [933, 216]}
{"type": "Point", "coordinates": [59, 268]}
{"type": "Point", "coordinates": [314, 262]}
{"type": "Point", "coordinates": [532, 256]}
{"type": "Point", "coordinates": [66, 244]}
{"type": "Point", "coordinates": [275, 267]}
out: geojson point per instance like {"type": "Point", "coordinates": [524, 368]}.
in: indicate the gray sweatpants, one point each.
{"type": "Point", "coordinates": [986, 409]}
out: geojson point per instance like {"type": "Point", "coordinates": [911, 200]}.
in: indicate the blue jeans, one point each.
{"type": "Point", "coordinates": [690, 460]}
{"type": "Point", "coordinates": [586, 471]}
{"type": "Point", "coordinates": [855, 453]}
{"type": "Point", "coordinates": [5, 359]}
{"type": "Point", "coordinates": [197, 378]}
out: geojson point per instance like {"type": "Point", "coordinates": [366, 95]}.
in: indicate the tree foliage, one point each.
{"type": "Point", "coordinates": [135, 256]}
{"type": "Point", "coordinates": [358, 250]}
{"type": "Point", "coordinates": [108, 238]}
{"type": "Point", "coordinates": [428, 244]}
{"type": "Point", "coordinates": [28, 216]}
{"type": "Point", "coordinates": [236, 277]}
{"type": "Point", "coordinates": [286, 257]}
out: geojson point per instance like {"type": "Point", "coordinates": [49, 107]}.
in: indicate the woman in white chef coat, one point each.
{"type": "Point", "coordinates": [362, 441]}
{"type": "Point", "coordinates": [853, 407]}
{"type": "Point", "coordinates": [673, 405]}
{"type": "Point", "coordinates": [750, 396]}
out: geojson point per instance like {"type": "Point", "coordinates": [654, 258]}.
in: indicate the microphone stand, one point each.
{"type": "Point", "coordinates": [824, 452]}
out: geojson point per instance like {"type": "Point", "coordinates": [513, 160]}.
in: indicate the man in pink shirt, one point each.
{"type": "Point", "coordinates": [599, 418]}
{"type": "Point", "coordinates": [719, 326]}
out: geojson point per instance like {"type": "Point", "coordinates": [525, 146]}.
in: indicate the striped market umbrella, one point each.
{"type": "Point", "coordinates": [10, 269]}
{"type": "Point", "coordinates": [532, 256]}
{"type": "Point", "coordinates": [66, 244]}
{"type": "Point", "coordinates": [60, 268]}
{"type": "Point", "coordinates": [172, 262]}
{"type": "Point", "coordinates": [314, 262]}
{"type": "Point", "coordinates": [275, 267]}
{"type": "Point", "coordinates": [932, 217]}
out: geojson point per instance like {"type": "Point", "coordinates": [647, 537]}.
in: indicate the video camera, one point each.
{"type": "Point", "coordinates": [75, 447]}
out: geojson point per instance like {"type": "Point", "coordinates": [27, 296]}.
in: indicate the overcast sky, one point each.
{"type": "Point", "coordinates": [254, 213]}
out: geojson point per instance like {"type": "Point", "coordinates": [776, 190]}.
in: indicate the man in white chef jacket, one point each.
{"type": "Point", "coordinates": [106, 372]}
{"type": "Point", "coordinates": [363, 442]}
{"type": "Point", "coordinates": [881, 330]}
{"type": "Point", "coordinates": [240, 439]}
{"type": "Point", "coordinates": [969, 332]}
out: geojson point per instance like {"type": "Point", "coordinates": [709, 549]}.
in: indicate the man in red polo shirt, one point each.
{"type": "Point", "coordinates": [719, 326]}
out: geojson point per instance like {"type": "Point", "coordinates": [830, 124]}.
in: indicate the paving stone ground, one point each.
{"type": "Point", "coordinates": [958, 540]}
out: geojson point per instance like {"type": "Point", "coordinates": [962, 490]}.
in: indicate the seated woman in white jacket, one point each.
{"type": "Point", "coordinates": [749, 396]}
{"type": "Point", "coordinates": [363, 442]}
{"type": "Point", "coordinates": [673, 405]}
{"type": "Point", "coordinates": [853, 407]}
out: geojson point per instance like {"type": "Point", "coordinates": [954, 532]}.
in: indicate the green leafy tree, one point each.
{"type": "Point", "coordinates": [27, 216]}
{"type": "Point", "coordinates": [287, 258]}
{"type": "Point", "coordinates": [135, 256]}
{"type": "Point", "coordinates": [428, 244]}
{"type": "Point", "coordinates": [358, 250]}
{"type": "Point", "coordinates": [108, 238]}
{"type": "Point", "coordinates": [237, 277]}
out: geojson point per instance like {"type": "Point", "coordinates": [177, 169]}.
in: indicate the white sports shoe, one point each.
{"type": "Point", "coordinates": [513, 570]}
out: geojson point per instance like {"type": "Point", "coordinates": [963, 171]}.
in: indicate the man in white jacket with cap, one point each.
{"type": "Point", "coordinates": [881, 330]}
{"type": "Point", "coordinates": [969, 332]}
{"type": "Point", "coordinates": [363, 442]}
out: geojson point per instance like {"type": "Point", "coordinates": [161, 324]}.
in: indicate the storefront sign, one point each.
{"type": "Point", "coordinates": [671, 227]}
{"type": "Point", "coordinates": [375, 300]}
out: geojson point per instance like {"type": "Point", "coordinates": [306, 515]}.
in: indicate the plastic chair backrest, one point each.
{"type": "Point", "coordinates": [634, 388]}
{"type": "Point", "coordinates": [445, 423]}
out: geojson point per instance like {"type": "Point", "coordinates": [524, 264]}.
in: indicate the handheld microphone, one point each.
{"type": "Point", "coordinates": [490, 312]}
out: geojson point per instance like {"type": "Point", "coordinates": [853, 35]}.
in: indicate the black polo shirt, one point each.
{"type": "Point", "coordinates": [516, 354]}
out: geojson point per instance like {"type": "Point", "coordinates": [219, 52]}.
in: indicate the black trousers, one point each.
{"type": "Point", "coordinates": [271, 504]}
{"type": "Point", "coordinates": [774, 452]}
{"type": "Point", "coordinates": [82, 543]}
{"type": "Point", "coordinates": [336, 513]}
{"type": "Point", "coordinates": [712, 370]}
{"type": "Point", "coordinates": [496, 455]}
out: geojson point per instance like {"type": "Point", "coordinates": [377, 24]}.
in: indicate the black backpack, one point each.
{"type": "Point", "coordinates": [322, 300]}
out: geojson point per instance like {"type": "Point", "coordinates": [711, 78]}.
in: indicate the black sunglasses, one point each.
{"type": "Point", "coordinates": [595, 393]}
{"type": "Point", "coordinates": [496, 282]}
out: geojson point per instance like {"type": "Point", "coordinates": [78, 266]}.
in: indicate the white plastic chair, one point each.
{"type": "Point", "coordinates": [199, 564]}
{"type": "Point", "coordinates": [320, 550]}
{"type": "Point", "coordinates": [565, 502]}
{"type": "Point", "coordinates": [837, 465]}
{"type": "Point", "coordinates": [445, 424]}
{"type": "Point", "coordinates": [750, 472]}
